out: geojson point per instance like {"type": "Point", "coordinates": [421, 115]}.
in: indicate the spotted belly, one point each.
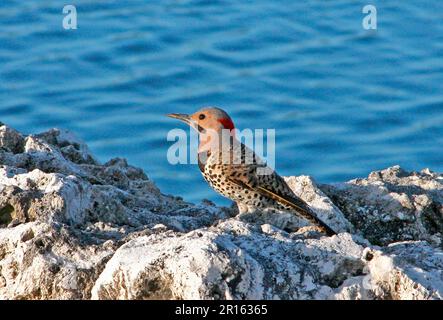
{"type": "Point", "coordinates": [236, 193]}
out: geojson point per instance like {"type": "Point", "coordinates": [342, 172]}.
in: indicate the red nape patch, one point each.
{"type": "Point", "coordinates": [227, 123]}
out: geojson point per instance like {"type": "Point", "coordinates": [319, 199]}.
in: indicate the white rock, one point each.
{"type": "Point", "coordinates": [71, 228]}
{"type": "Point", "coordinates": [233, 260]}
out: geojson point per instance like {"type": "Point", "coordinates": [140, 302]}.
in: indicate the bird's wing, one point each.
{"type": "Point", "coordinates": [287, 199]}
{"type": "Point", "coordinates": [272, 186]}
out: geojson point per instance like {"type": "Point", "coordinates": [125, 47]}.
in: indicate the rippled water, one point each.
{"type": "Point", "coordinates": [344, 101]}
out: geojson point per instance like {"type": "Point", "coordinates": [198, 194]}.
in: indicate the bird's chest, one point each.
{"type": "Point", "coordinates": [214, 173]}
{"type": "Point", "coordinates": [217, 179]}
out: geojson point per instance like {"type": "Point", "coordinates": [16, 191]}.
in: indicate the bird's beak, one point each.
{"type": "Point", "coordinates": [180, 116]}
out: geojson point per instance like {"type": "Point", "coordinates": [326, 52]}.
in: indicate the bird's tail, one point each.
{"type": "Point", "coordinates": [302, 210]}
{"type": "Point", "coordinates": [311, 217]}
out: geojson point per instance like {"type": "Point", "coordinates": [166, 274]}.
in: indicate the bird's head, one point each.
{"type": "Point", "coordinates": [210, 118]}
{"type": "Point", "coordinates": [210, 122]}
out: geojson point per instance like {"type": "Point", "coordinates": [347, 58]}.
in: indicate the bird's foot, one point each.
{"type": "Point", "coordinates": [282, 220]}
{"type": "Point", "coordinates": [308, 232]}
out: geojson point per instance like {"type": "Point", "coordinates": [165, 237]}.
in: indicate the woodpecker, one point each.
{"type": "Point", "coordinates": [236, 172]}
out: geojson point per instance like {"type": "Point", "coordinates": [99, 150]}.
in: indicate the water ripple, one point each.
{"type": "Point", "coordinates": [344, 101]}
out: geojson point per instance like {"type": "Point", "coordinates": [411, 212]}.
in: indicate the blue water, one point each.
{"type": "Point", "coordinates": [344, 100]}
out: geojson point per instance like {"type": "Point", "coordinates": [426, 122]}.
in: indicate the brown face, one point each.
{"type": "Point", "coordinates": [206, 119]}
{"type": "Point", "coordinates": [209, 122]}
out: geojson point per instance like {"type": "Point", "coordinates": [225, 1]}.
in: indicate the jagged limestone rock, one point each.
{"type": "Point", "coordinates": [72, 228]}
{"type": "Point", "coordinates": [393, 205]}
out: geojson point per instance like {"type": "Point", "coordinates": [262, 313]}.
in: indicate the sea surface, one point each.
{"type": "Point", "coordinates": [343, 100]}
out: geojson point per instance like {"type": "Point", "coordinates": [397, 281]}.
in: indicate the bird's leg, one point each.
{"type": "Point", "coordinates": [246, 213]}
{"type": "Point", "coordinates": [278, 218]}
{"type": "Point", "coordinates": [243, 208]}
{"type": "Point", "coordinates": [255, 215]}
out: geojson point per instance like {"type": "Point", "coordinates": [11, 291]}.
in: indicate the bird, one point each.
{"type": "Point", "coordinates": [236, 172]}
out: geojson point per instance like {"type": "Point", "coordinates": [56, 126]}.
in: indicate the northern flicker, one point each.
{"type": "Point", "coordinates": [236, 172]}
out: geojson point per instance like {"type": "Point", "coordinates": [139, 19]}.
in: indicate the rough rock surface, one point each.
{"type": "Point", "coordinates": [393, 205]}
{"type": "Point", "coordinates": [72, 228]}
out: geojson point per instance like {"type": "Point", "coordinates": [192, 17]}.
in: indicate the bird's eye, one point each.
{"type": "Point", "coordinates": [201, 116]}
